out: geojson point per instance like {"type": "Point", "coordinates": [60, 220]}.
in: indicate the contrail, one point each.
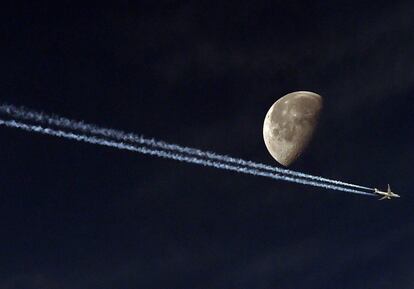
{"type": "Point", "coordinates": [169, 155]}
{"type": "Point", "coordinates": [23, 113]}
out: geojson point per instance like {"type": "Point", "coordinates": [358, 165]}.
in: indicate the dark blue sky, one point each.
{"type": "Point", "coordinates": [204, 74]}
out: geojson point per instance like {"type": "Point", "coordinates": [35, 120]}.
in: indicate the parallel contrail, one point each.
{"type": "Point", "coordinates": [169, 155]}
{"type": "Point", "coordinates": [41, 118]}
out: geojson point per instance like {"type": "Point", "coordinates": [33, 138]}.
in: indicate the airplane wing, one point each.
{"type": "Point", "coordinates": [384, 197]}
{"type": "Point", "coordinates": [389, 189]}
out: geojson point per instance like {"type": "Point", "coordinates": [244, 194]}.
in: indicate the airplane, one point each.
{"type": "Point", "coordinates": [386, 195]}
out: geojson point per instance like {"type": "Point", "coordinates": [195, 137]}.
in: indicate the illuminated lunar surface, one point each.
{"type": "Point", "coordinates": [289, 125]}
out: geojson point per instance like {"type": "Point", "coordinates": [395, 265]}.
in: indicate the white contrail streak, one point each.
{"type": "Point", "coordinates": [23, 113]}
{"type": "Point", "coordinates": [169, 155]}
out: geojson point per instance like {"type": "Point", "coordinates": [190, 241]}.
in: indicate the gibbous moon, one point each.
{"type": "Point", "coordinates": [290, 123]}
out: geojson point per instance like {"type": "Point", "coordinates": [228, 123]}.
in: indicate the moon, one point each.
{"type": "Point", "coordinates": [289, 125]}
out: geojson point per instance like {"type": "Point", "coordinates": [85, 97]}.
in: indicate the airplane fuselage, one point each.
{"type": "Point", "coordinates": [386, 195]}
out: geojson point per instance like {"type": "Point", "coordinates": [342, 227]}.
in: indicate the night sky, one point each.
{"type": "Point", "coordinates": [203, 74]}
